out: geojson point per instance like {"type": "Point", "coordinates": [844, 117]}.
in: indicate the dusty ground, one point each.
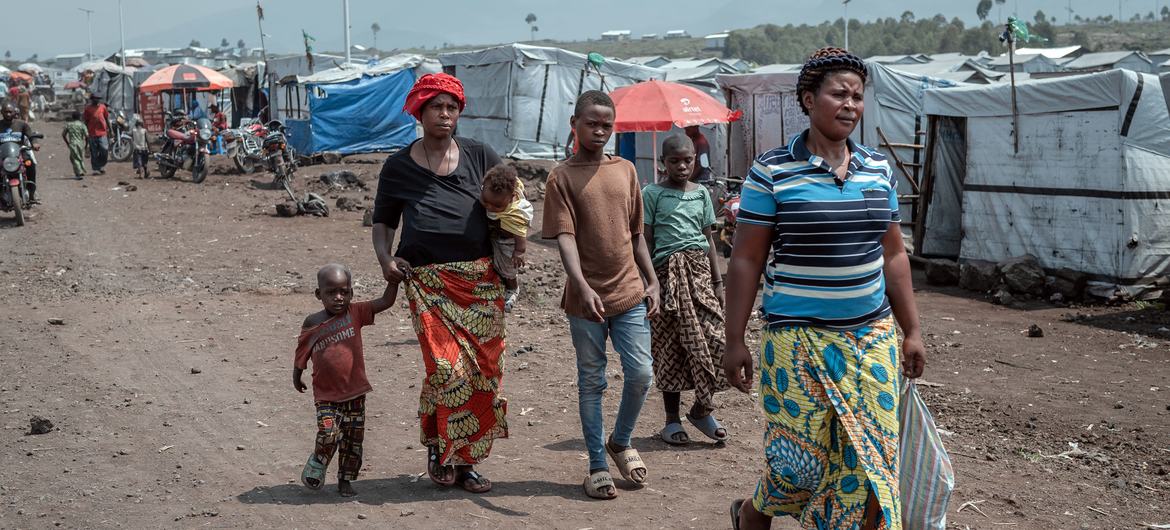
{"type": "Point", "coordinates": [156, 284]}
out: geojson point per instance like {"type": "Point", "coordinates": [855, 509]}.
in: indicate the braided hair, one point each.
{"type": "Point", "coordinates": [821, 64]}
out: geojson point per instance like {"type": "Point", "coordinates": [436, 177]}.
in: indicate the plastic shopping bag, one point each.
{"type": "Point", "coordinates": [926, 480]}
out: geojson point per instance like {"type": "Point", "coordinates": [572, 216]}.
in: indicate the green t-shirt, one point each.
{"type": "Point", "coordinates": [678, 219]}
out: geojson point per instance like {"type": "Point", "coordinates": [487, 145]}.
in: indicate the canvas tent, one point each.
{"type": "Point", "coordinates": [520, 97]}
{"type": "Point", "coordinates": [1087, 189]}
{"type": "Point", "coordinates": [772, 115]}
{"type": "Point", "coordinates": [358, 109]}
{"type": "Point", "coordinates": [114, 84]}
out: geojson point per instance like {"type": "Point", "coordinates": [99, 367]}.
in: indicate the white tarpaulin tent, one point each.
{"type": "Point", "coordinates": [1088, 190]}
{"type": "Point", "coordinates": [520, 97]}
{"type": "Point", "coordinates": [772, 115]}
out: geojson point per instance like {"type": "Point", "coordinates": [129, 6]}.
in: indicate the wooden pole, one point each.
{"type": "Point", "coordinates": [1012, 72]}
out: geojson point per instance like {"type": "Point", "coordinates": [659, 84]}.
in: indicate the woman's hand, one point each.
{"type": "Point", "coordinates": [395, 270]}
{"type": "Point", "coordinates": [913, 356]}
{"type": "Point", "coordinates": [737, 365]}
{"type": "Point", "coordinates": [718, 287]}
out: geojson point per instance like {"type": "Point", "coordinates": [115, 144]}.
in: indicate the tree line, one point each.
{"type": "Point", "coordinates": [907, 34]}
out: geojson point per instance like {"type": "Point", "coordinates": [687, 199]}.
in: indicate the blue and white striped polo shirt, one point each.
{"type": "Point", "coordinates": [827, 255]}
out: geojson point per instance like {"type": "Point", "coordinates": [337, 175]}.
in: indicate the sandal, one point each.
{"type": "Point", "coordinates": [735, 506]}
{"type": "Point", "coordinates": [434, 468]}
{"type": "Point", "coordinates": [313, 475]}
{"type": "Point", "coordinates": [709, 426]}
{"type": "Point", "coordinates": [627, 462]}
{"type": "Point", "coordinates": [674, 434]}
{"type": "Point", "coordinates": [484, 485]}
{"type": "Point", "coordinates": [596, 483]}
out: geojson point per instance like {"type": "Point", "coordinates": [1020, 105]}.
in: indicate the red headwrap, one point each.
{"type": "Point", "coordinates": [429, 86]}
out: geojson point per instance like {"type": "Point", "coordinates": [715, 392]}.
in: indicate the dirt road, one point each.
{"type": "Point", "coordinates": [169, 385]}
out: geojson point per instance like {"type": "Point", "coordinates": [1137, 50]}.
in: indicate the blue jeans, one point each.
{"type": "Point", "coordinates": [630, 333]}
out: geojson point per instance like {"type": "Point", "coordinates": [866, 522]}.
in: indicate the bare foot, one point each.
{"type": "Point", "coordinates": [345, 487]}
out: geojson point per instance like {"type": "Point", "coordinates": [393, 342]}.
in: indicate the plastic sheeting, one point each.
{"type": "Point", "coordinates": [772, 115]}
{"type": "Point", "coordinates": [1088, 189]}
{"type": "Point", "coordinates": [361, 115]}
{"type": "Point", "coordinates": [385, 66]}
{"type": "Point", "coordinates": [520, 97]}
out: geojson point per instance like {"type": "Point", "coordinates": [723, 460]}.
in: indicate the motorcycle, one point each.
{"type": "Point", "coordinates": [185, 142]}
{"type": "Point", "coordinates": [17, 157]}
{"type": "Point", "coordinates": [728, 209]}
{"type": "Point", "coordinates": [244, 145]}
{"type": "Point", "coordinates": [121, 144]}
{"type": "Point", "coordinates": [279, 157]}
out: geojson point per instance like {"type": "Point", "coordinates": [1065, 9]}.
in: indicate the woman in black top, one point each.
{"type": "Point", "coordinates": [432, 190]}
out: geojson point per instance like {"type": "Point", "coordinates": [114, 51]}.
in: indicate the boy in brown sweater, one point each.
{"type": "Point", "coordinates": [593, 208]}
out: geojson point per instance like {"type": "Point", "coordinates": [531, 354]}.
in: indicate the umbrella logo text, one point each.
{"type": "Point", "coordinates": [686, 106]}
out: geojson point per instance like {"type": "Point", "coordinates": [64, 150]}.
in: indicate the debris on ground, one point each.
{"type": "Point", "coordinates": [1035, 332]}
{"type": "Point", "coordinates": [39, 425]}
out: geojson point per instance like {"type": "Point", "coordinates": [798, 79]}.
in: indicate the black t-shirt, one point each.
{"type": "Point", "coordinates": [443, 220]}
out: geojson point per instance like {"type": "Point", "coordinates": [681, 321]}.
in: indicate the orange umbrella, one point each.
{"type": "Point", "coordinates": [20, 75]}
{"type": "Point", "coordinates": [185, 77]}
{"type": "Point", "coordinates": [658, 105]}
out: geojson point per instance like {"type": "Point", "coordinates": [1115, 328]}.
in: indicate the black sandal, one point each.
{"type": "Point", "coordinates": [479, 480]}
{"type": "Point", "coordinates": [735, 506]}
{"type": "Point", "coordinates": [434, 467]}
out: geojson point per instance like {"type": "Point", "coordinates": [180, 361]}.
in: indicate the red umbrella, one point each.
{"type": "Point", "coordinates": [185, 77]}
{"type": "Point", "coordinates": [74, 84]}
{"type": "Point", "coordinates": [658, 105]}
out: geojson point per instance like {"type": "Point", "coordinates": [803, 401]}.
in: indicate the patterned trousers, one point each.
{"type": "Point", "coordinates": [341, 426]}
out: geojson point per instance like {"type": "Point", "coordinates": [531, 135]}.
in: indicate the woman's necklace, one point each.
{"type": "Point", "coordinates": [427, 156]}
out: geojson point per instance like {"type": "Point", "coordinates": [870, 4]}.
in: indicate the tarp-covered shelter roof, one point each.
{"type": "Point", "coordinates": [1051, 53]}
{"type": "Point", "coordinates": [1103, 59]}
{"type": "Point", "coordinates": [355, 71]}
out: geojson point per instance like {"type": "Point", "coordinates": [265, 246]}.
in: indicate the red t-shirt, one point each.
{"type": "Point", "coordinates": [339, 368]}
{"type": "Point", "coordinates": [95, 117]}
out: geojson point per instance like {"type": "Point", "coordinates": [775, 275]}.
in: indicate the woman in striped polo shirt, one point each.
{"type": "Point", "coordinates": [822, 214]}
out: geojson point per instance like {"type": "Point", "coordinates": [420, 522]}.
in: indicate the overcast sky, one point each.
{"type": "Point", "coordinates": [51, 27]}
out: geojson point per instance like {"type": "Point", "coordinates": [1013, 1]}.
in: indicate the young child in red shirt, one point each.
{"type": "Point", "coordinates": [332, 339]}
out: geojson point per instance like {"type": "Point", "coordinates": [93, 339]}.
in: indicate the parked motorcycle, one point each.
{"type": "Point", "coordinates": [244, 145]}
{"type": "Point", "coordinates": [121, 143]}
{"type": "Point", "coordinates": [185, 142]}
{"type": "Point", "coordinates": [727, 206]}
{"type": "Point", "coordinates": [280, 158]}
{"type": "Point", "coordinates": [16, 157]}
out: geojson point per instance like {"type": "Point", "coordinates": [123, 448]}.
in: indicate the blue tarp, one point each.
{"type": "Point", "coordinates": [360, 116]}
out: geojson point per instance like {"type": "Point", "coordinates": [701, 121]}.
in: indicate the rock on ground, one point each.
{"type": "Point", "coordinates": [39, 425]}
{"type": "Point", "coordinates": [1023, 275]}
{"type": "Point", "coordinates": [978, 276]}
{"type": "Point", "coordinates": [942, 272]}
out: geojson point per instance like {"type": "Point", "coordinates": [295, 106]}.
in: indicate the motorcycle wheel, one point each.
{"type": "Point", "coordinates": [121, 150]}
{"type": "Point", "coordinates": [199, 168]}
{"type": "Point", "coordinates": [17, 205]}
{"type": "Point", "coordinates": [244, 164]}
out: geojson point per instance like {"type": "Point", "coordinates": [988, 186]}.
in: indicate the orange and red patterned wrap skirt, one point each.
{"type": "Point", "coordinates": [458, 313]}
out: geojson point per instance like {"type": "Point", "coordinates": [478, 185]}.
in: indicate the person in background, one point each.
{"type": "Point", "coordinates": [138, 137]}
{"type": "Point", "coordinates": [196, 112]}
{"type": "Point", "coordinates": [16, 130]}
{"type": "Point", "coordinates": [687, 335]}
{"type": "Point", "coordinates": [74, 135]}
{"type": "Point", "coordinates": [97, 123]}
{"type": "Point", "coordinates": [702, 172]}
{"type": "Point", "coordinates": [23, 99]}
{"type": "Point", "coordinates": [3, 92]}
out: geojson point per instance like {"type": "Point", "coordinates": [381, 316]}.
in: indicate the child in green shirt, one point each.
{"type": "Point", "coordinates": [687, 337]}
{"type": "Point", "coordinates": [74, 136]}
